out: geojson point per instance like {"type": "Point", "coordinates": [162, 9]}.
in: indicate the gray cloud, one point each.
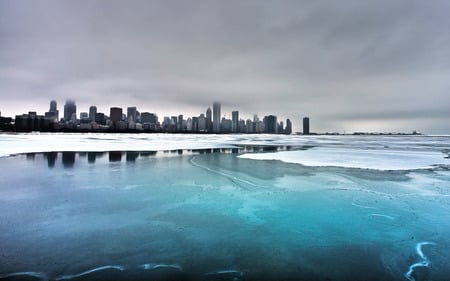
{"type": "Point", "coordinates": [347, 64]}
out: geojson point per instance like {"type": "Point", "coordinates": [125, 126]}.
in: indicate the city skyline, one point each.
{"type": "Point", "coordinates": [134, 120]}
{"type": "Point", "coordinates": [349, 65]}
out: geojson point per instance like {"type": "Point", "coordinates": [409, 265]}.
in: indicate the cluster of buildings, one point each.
{"type": "Point", "coordinates": [134, 121]}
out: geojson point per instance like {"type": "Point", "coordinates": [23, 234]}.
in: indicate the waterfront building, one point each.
{"type": "Point", "coordinates": [288, 129]}
{"type": "Point", "coordinates": [92, 112]}
{"type": "Point", "coordinates": [180, 127]}
{"type": "Point", "coordinates": [84, 117]}
{"type": "Point", "coordinates": [249, 126]}
{"type": "Point", "coordinates": [235, 122]}
{"type": "Point", "coordinates": [226, 126]}
{"type": "Point", "coordinates": [70, 109]}
{"type": "Point", "coordinates": [115, 114]}
{"type": "Point", "coordinates": [306, 126]}
{"type": "Point", "coordinates": [53, 113]}
{"type": "Point", "coordinates": [242, 128]}
{"type": "Point", "coordinates": [216, 117]}
{"type": "Point", "coordinates": [132, 114]}
{"type": "Point", "coordinates": [201, 123]}
{"type": "Point", "coordinates": [209, 120]}
{"type": "Point", "coordinates": [270, 124]}
{"type": "Point", "coordinates": [100, 118]}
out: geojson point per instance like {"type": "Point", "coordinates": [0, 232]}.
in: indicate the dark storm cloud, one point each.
{"type": "Point", "coordinates": [337, 61]}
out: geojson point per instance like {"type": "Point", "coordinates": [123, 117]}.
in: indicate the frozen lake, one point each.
{"type": "Point", "coordinates": [231, 207]}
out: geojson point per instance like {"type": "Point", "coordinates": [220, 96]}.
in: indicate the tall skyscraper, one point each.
{"type": "Point", "coordinates": [70, 109]}
{"type": "Point", "coordinates": [180, 123]}
{"type": "Point", "coordinates": [53, 112]}
{"type": "Point", "coordinates": [306, 126]}
{"type": "Point", "coordinates": [92, 112]}
{"type": "Point", "coordinates": [288, 129]}
{"type": "Point", "coordinates": [132, 113]}
{"type": "Point", "coordinates": [270, 124]}
{"type": "Point", "coordinates": [216, 117]}
{"type": "Point", "coordinates": [208, 120]}
{"type": "Point", "coordinates": [235, 122]}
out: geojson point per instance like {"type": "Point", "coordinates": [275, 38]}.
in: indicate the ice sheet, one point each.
{"type": "Point", "coordinates": [358, 158]}
{"type": "Point", "coordinates": [218, 216]}
{"type": "Point", "coordinates": [11, 144]}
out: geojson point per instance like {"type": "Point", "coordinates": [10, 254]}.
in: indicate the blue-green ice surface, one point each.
{"type": "Point", "coordinates": [217, 214]}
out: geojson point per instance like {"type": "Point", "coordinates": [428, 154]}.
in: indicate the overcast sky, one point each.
{"type": "Point", "coordinates": [349, 65]}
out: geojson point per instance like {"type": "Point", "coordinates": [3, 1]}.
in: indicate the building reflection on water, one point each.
{"type": "Point", "coordinates": [69, 158]}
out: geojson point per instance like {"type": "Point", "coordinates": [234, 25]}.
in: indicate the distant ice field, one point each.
{"type": "Point", "coordinates": [378, 159]}
{"type": "Point", "coordinates": [365, 152]}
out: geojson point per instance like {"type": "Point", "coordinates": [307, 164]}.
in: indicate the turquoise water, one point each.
{"type": "Point", "coordinates": [191, 215]}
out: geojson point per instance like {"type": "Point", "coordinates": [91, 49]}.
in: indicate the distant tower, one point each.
{"type": "Point", "coordinates": [180, 123]}
{"type": "Point", "coordinates": [209, 120]}
{"type": "Point", "coordinates": [270, 124]}
{"type": "Point", "coordinates": [235, 122]}
{"type": "Point", "coordinates": [288, 129]}
{"type": "Point", "coordinates": [306, 126]}
{"type": "Point", "coordinates": [216, 117]}
{"type": "Point", "coordinates": [70, 109]}
{"type": "Point", "coordinates": [132, 112]}
{"type": "Point", "coordinates": [53, 111]}
{"type": "Point", "coordinates": [115, 114]}
{"type": "Point", "coordinates": [92, 112]}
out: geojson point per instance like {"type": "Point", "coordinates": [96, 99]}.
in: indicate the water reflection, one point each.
{"type": "Point", "coordinates": [51, 158]}
{"type": "Point", "coordinates": [132, 156]}
{"type": "Point", "coordinates": [68, 159]}
{"type": "Point", "coordinates": [148, 153]}
{"type": "Point", "coordinates": [115, 156]}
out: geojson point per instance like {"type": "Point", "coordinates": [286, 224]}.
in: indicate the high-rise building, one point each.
{"type": "Point", "coordinates": [180, 123]}
{"type": "Point", "coordinates": [92, 112]}
{"type": "Point", "coordinates": [270, 124]}
{"type": "Point", "coordinates": [70, 109]}
{"type": "Point", "coordinates": [216, 117]}
{"type": "Point", "coordinates": [209, 120]}
{"type": "Point", "coordinates": [249, 128]}
{"type": "Point", "coordinates": [100, 118]}
{"type": "Point", "coordinates": [306, 126]}
{"type": "Point", "coordinates": [84, 117]}
{"type": "Point", "coordinates": [53, 113]}
{"type": "Point", "coordinates": [235, 122]}
{"type": "Point", "coordinates": [132, 114]}
{"type": "Point", "coordinates": [201, 122]}
{"type": "Point", "coordinates": [115, 114]}
{"type": "Point", "coordinates": [288, 129]}
{"type": "Point", "coordinates": [226, 125]}
{"type": "Point", "coordinates": [53, 106]}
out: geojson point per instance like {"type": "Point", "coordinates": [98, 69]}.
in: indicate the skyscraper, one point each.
{"type": "Point", "coordinates": [288, 129]}
{"type": "Point", "coordinates": [270, 124]}
{"type": "Point", "coordinates": [306, 126]}
{"type": "Point", "coordinates": [216, 117]}
{"type": "Point", "coordinates": [132, 113]}
{"type": "Point", "coordinates": [208, 120]}
{"type": "Point", "coordinates": [70, 109]}
{"type": "Point", "coordinates": [235, 122]}
{"type": "Point", "coordinates": [115, 114]}
{"type": "Point", "coordinates": [92, 112]}
{"type": "Point", "coordinates": [53, 112]}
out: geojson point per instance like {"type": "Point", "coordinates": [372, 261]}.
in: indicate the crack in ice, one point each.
{"type": "Point", "coordinates": [228, 176]}
{"type": "Point", "coordinates": [149, 266]}
{"type": "Point", "coordinates": [425, 262]}
{"type": "Point", "coordinates": [116, 267]}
